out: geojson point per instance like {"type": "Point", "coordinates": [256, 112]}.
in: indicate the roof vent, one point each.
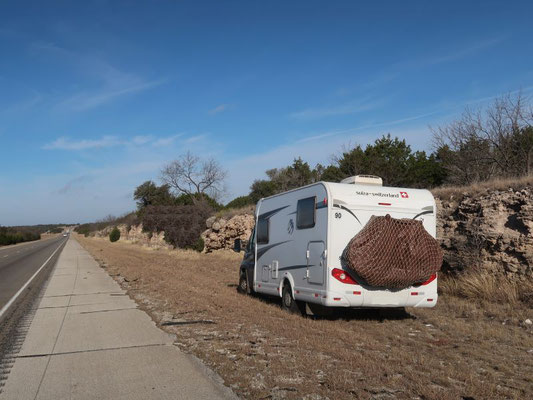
{"type": "Point", "coordinates": [364, 180]}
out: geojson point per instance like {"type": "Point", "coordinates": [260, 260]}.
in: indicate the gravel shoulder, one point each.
{"type": "Point", "coordinates": [460, 349]}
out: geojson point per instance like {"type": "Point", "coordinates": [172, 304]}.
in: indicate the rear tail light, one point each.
{"type": "Point", "coordinates": [431, 279]}
{"type": "Point", "coordinates": [343, 276]}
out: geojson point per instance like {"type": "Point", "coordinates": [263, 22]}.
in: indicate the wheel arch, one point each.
{"type": "Point", "coordinates": [290, 280]}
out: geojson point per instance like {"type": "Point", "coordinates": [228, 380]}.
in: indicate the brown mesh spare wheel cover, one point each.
{"type": "Point", "coordinates": [393, 253]}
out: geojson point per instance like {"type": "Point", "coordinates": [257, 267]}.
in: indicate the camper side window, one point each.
{"type": "Point", "coordinates": [305, 213]}
{"type": "Point", "coordinates": [262, 230]}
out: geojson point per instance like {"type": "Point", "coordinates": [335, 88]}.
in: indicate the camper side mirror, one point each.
{"type": "Point", "coordinates": [237, 245]}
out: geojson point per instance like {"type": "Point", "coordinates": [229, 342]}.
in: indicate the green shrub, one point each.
{"type": "Point", "coordinates": [239, 202]}
{"type": "Point", "coordinates": [114, 235]}
{"type": "Point", "coordinates": [198, 245]}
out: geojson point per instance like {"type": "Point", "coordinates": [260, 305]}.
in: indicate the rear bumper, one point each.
{"type": "Point", "coordinates": [357, 296]}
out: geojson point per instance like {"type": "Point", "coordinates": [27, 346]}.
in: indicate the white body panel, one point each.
{"type": "Point", "coordinates": [306, 257]}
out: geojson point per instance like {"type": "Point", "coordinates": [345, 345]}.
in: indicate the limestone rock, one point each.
{"type": "Point", "coordinates": [223, 233]}
{"type": "Point", "coordinates": [492, 232]}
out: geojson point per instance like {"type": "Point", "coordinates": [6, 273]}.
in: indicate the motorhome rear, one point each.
{"type": "Point", "coordinates": [296, 247]}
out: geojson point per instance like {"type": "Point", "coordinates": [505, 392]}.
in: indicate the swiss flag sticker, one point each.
{"type": "Point", "coordinates": [404, 195]}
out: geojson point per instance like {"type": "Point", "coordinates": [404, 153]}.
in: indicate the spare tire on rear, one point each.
{"type": "Point", "coordinates": [393, 253]}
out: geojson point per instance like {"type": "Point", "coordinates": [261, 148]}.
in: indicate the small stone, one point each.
{"type": "Point", "coordinates": [528, 322]}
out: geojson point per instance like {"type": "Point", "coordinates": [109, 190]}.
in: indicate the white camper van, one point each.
{"type": "Point", "coordinates": [295, 249]}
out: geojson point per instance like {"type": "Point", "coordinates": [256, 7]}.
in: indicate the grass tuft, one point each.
{"type": "Point", "coordinates": [487, 287]}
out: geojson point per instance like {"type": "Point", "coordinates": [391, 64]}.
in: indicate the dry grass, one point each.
{"type": "Point", "coordinates": [489, 288]}
{"type": "Point", "coordinates": [231, 212]}
{"type": "Point", "coordinates": [461, 348]}
{"type": "Point", "coordinates": [476, 189]}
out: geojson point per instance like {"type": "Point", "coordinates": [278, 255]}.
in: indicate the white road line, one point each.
{"type": "Point", "coordinates": [12, 300]}
{"type": "Point", "coordinates": [5, 256]}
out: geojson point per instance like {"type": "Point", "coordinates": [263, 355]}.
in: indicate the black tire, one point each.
{"type": "Point", "coordinates": [243, 284]}
{"type": "Point", "coordinates": [287, 301]}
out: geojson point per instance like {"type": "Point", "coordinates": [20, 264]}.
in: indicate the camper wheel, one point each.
{"type": "Point", "coordinates": [287, 301]}
{"type": "Point", "coordinates": [244, 287]}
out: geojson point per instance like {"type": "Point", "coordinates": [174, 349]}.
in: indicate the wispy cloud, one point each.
{"type": "Point", "coordinates": [344, 109]}
{"type": "Point", "coordinates": [141, 139]}
{"type": "Point", "coordinates": [24, 105]}
{"type": "Point", "coordinates": [87, 100]}
{"type": "Point", "coordinates": [415, 63]}
{"type": "Point", "coordinates": [64, 143]}
{"type": "Point", "coordinates": [111, 82]}
{"type": "Point", "coordinates": [465, 51]}
{"type": "Point", "coordinates": [196, 138]}
{"type": "Point", "coordinates": [166, 141]}
{"type": "Point", "coordinates": [356, 129]}
{"type": "Point", "coordinates": [220, 108]}
{"type": "Point", "coordinates": [317, 137]}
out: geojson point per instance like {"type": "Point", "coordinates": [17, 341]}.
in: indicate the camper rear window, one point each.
{"type": "Point", "coordinates": [262, 231]}
{"type": "Point", "coordinates": [305, 213]}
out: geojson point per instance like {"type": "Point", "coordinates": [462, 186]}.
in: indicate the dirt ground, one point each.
{"type": "Point", "coordinates": [459, 350]}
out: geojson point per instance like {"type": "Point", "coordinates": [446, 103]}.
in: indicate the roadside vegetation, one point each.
{"type": "Point", "coordinates": [18, 234]}
{"type": "Point", "coordinates": [11, 236]}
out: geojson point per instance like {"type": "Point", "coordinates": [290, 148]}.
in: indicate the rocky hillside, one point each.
{"type": "Point", "coordinates": [491, 230]}
{"type": "Point", "coordinates": [135, 234]}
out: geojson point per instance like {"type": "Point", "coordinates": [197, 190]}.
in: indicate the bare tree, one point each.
{"type": "Point", "coordinates": [190, 175]}
{"type": "Point", "coordinates": [484, 144]}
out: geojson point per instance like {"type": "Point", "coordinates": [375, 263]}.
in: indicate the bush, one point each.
{"type": "Point", "coordinates": [198, 245]}
{"type": "Point", "coordinates": [182, 224]}
{"type": "Point", "coordinates": [13, 236]}
{"type": "Point", "coordinates": [192, 199]}
{"type": "Point", "coordinates": [239, 202]}
{"type": "Point", "coordinates": [114, 235]}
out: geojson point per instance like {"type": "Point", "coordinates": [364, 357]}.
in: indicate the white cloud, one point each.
{"type": "Point", "coordinates": [111, 82]}
{"type": "Point", "coordinates": [196, 138]}
{"type": "Point", "coordinates": [166, 141]}
{"type": "Point", "coordinates": [465, 51]}
{"type": "Point", "coordinates": [220, 108]}
{"type": "Point", "coordinates": [24, 105]}
{"type": "Point", "coordinates": [87, 100]}
{"type": "Point", "coordinates": [141, 139]}
{"type": "Point", "coordinates": [344, 109]}
{"type": "Point", "coordinates": [64, 143]}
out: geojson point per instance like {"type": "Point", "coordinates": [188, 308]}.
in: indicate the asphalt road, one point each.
{"type": "Point", "coordinates": [19, 263]}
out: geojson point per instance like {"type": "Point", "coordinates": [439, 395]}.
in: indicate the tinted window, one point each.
{"type": "Point", "coordinates": [262, 231]}
{"type": "Point", "coordinates": [305, 213]}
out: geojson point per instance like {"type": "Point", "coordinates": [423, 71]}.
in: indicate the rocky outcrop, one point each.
{"type": "Point", "coordinates": [221, 233]}
{"type": "Point", "coordinates": [135, 234]}
{"type": "Point", "coordinates": [491, 232]}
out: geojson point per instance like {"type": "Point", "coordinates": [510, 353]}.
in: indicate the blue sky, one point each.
{"type": "Point", "coordinates": [96, 96]}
